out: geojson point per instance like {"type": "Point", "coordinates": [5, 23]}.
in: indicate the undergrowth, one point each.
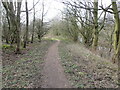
{"type": "Point", "coordinates": [24, 69]}
{"type": "Point", "coordinates": [85, 69]}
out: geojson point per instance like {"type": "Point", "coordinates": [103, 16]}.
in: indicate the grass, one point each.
{"type": "Point", "coordinates": [57, 38]}
{"type": "Point", "coordinates": [84, 69]}
{"type": "Point", "coordinates": [25, 70]}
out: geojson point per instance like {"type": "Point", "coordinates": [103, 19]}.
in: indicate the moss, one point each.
{"type": "Point", "coordinates": [5, 46]}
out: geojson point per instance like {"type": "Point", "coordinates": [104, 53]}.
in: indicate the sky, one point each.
{"type": "Point", "coordinates": [52, 7]}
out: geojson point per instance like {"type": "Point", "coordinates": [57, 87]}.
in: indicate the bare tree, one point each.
{"type": "Point", "coordinates": [95, 32]}
{"type": "Point", "coordinates": [18, 26]}
{"type": "Point", "coordinates": [33, 22]}
{"type": "Point", "coordinates": [27, 24]}
{"type": "Point", "coordinates": [41, 30]}
{"type": "Point", "coordinates": [12, 12]}
{"type": "Point", "coordinates": [116, 38]}
{"type": "Point", "coordinates": [88, 22]}
{"type": "Point", "coordinates": [0, 23]}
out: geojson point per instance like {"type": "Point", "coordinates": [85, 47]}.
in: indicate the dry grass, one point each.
{"type": "Point", "coordinates": [85, 69]}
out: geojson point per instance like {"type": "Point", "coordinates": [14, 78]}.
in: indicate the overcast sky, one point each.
{"type": "Point", "coordinates": [52, 7]}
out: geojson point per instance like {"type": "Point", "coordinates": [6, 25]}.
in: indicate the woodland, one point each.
{"type": "Point", "coordinates": [78, 48]}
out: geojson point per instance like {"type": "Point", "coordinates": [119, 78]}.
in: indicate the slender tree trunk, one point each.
{"type": "Point", "coordinates": [18, 27]}
{"type": "Point", "coordinates": [75, 37]}
{"type": "Point", "coordinates": [41, 25]}
{"type": "Point", "coordinates": [8, 37]}
{"type": "Point", "coordinates": [95, 31]}
{"type": "Point", "coordinates": [0, 15]}
{"type": "Point", "coordinates": [27, 23]}
{"type": "Point", "coordinates": [116, 35]}
{"type": "Point", "coordinates": [32, 39]}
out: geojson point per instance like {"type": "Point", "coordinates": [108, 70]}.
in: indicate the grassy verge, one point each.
{"type": "Point", "coordinates": [85, 69]}
{"type": "Point", "coordinates": [24, 70]}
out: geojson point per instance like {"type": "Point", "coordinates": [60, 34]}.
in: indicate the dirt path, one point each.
{"type": "Point", "coordinates": [53, 74]}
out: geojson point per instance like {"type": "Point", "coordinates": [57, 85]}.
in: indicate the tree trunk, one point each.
{"type": "Point", "coordinates": [27, 23]}
{"type": "Point", "coordinates": [0, 15]}
{"type": "Point", "coordinates": [41, 24]}
{"type": "Point", "coordinates": [95, 31]}
{"type": "Point", "coordinates": [116, 35]}
{"type": "Point", "coordinates": [18, 27]}
{"type": "Point", "coordinates": [32, 39]}
{"type": "Point", "coordinates": [15, 23]}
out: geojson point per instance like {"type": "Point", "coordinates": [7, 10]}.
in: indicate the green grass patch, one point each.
{"type": "Point", "coordinates": [7, 46]}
